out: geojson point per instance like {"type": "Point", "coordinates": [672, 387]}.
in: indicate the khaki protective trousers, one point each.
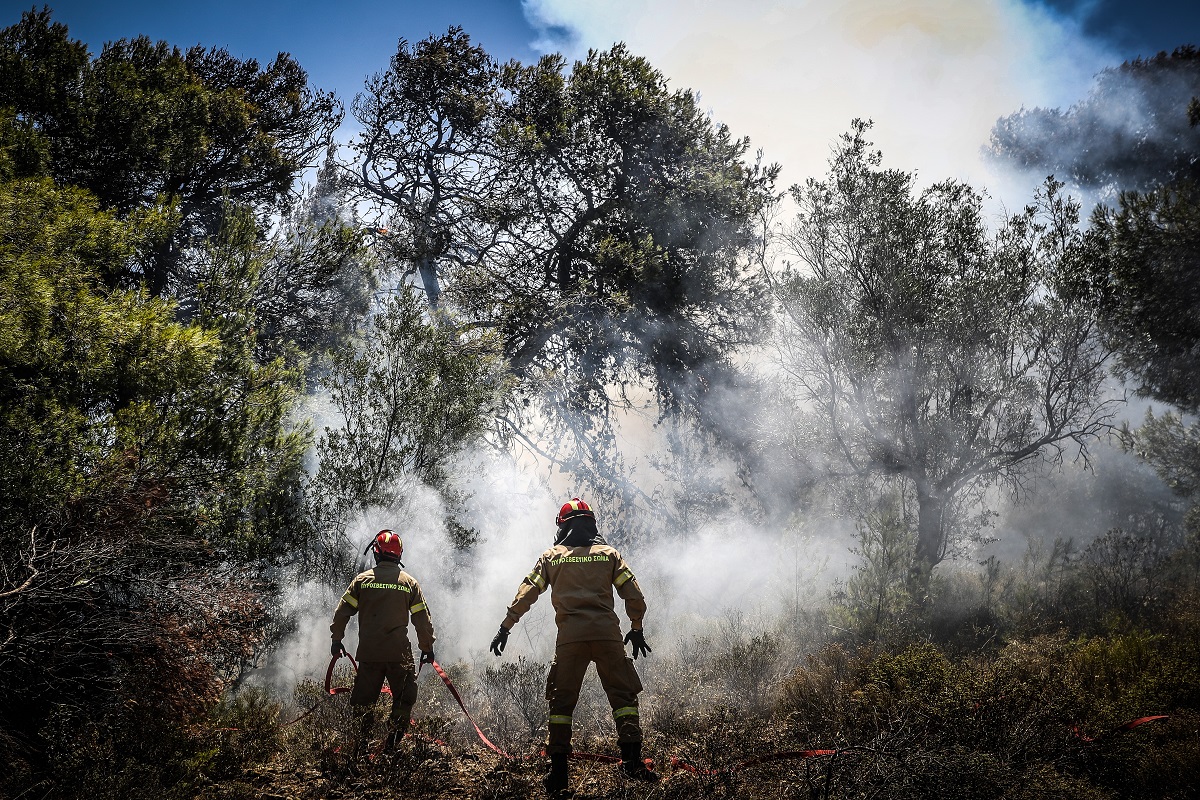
{"type": "Point", "coordinates": [617, 676]}
{"type": "Point", "coordinates": [369, 682]}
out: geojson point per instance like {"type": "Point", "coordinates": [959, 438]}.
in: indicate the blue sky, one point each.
{"type": "Point", "coordinates": [791, 74]}
{"type": "Point", "coordinates": [1137, 27]}
{"type": "Point", "coordinates": [339, 43]}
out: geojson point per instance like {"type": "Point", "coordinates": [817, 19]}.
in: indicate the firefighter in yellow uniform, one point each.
{"type": "Point", "coordinates": [582, 570]}
{"type": "Point", "coordinates": [385, 598]}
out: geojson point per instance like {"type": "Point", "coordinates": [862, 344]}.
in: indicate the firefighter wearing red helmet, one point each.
{"type": "Point", "coordinates": [386, 599]}
{"type": "Point", "coordinates": [581, 571]}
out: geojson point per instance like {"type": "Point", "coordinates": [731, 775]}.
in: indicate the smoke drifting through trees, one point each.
{"type": "Point", "coordinates": [1131, 132]}
{"type": "Point", "coordinates": [581, 295]}
{"type": "Point", "coordinates": [931, 351]}
{"type": "Point", "coordinates": [736, 498]}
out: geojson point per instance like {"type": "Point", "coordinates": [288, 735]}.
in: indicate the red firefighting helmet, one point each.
{"type": "Point", "coordinates": [573, 508]}
{"type": "Point", "coordinates": [388, 544]}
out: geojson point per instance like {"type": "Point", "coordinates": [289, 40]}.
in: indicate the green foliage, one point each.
{"type": "Point", "coordinates": [1124, 572]}
{"type": "Point", "coordinates": [1147, 270]}
{"type": "Point", "coordinates": [23, 152]}
{"type": "Point", "coordinates": [247, 733]}
{"type": "Point", "coordinates": [1147, 252]}
{"type": "Point", "coordinates": [1173, 447]}
{"type": "Point", "coordinates": [877, 600]}
{"type": "Point", "coordinates": [638, 214]}
{"type": "Point", "coordinates": [295, 297]}
{"type": "Point", "coordinates": [77, 357]}
{"type": "Point", "coordinates": [154, 483]}
{"type": "Point", "coordinates": [145, 124]}
{"type": "Point", "coordinates": [150, 480]}
{"type": "Point", "coordinates": [893, 685]}
{"type": "Point", "coordinates": [41, 65]}
{"type": "Point", "coordinates": [411, 396]}
{"type": "Point", "coordinates": [312, 294]}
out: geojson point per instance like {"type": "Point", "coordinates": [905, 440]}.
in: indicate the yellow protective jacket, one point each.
{"type": "Point", "coordinates": [385, 599]}
{"type": "Point", "coordinates": [581, 581]}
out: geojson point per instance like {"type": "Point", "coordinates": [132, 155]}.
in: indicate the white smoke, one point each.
{"type": "Point", "coordinates": [935, 75]}
{"type": "Point", "coordinates": [692, 579]}
{"type": "Point", "coordinates": [513, 512]}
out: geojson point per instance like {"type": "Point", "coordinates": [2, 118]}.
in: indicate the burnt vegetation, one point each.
{"type": "Point", "coordinates": [517, 257]}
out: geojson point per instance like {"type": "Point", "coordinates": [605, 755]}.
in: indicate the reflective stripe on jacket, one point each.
{"type": "Point", "coordinates": [581, 582]}
{"type": "Point", "coordinates": [385, 599]}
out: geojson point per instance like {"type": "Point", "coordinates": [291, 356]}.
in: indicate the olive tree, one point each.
{"type": "Point", "coordinates": [928, 349]}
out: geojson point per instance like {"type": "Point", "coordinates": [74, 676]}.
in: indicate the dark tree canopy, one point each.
{"type": "Point", "coordinates": [1148, 262]}
{"type": "Point", "coordinates": [1147, 266]}
{"type": "Point", "coordinates": [1132, 131]}
{"type": "Point", "coordinates": [427, 156]}
{"type": "Point", "coordinates": [145, 123]}
{"type": "Point", "coordinates": [596, 220]}
{"type": "Point", "coordinates": [628, 254]}
{"type": "Point", "coordinates": [593, 217]}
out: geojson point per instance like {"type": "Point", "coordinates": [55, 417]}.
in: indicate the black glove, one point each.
{"type": "Point", "coordinates": [638, 640]}
{"type": "Point", "coordinates": [426, 658]}
{"type": "Point", "coordinates": [500, 640]}
{"type": "Point", "coordinates": [336, 650]}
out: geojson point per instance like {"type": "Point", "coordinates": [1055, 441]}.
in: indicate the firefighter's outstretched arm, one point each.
{"type": "Point", "coordinates": [422, 620]}
{"type": "Point", "coordinates": [527, 594]}
{"type": "Point", "coordinates": [629, 591]}
{"type": "Point", "coordinates": [635, 606]}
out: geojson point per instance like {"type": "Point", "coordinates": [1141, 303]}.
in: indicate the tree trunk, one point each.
{"type": "Point", "coordinates": [427, 269]}
{"type": "Point", "coordinates": [158, 270]}
{"type": "Point", "coordinates": [929, 540]}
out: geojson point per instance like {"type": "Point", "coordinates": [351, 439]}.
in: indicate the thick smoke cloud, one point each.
{"type": "Point", "coordinates": [935, 75]}
{"type": "Point", "coordinates": [511, 509]}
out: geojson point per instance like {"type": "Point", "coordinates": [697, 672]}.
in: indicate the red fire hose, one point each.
{"type": "Point", "coordinates": [458, 697]}
{"type": "Point", "coordinates": [450, 685]}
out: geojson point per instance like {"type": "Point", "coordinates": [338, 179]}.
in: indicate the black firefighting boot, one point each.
{"type": "Point", "coordinates": [397, 728]}
{"type": "Point", "coordinates": [556, 779]}
{"type": "Point", "coordinates": [362, 738]}
{"type": "Point", "coordinates": [632, 765]}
